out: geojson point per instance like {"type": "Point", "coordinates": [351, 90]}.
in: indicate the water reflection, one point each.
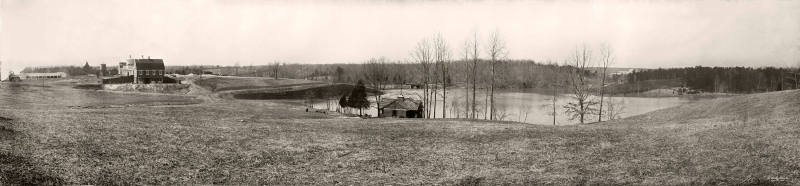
{"type": "Point", "coordinates": [527, 107]}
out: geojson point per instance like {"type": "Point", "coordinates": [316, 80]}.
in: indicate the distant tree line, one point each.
{"type": "Point", "coordinates": [517, 74]}
{"type": "Point", "coordinates": [434, 67]}
{"type": "Point", "coordinates": [724, 79]}
{"type": "Point", "coordinates": [86, 69]}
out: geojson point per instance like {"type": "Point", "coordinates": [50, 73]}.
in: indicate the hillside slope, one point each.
{"type": "Point", "coordinates": [272, 142]}
{"type": "Point", "coordinates": [747, 139]}
{"type": "Point", "coordinates": [771, 107]}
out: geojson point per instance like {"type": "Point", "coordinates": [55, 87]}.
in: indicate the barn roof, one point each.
{"type": "Point", "coordinates": [400, 104]}
{"type": "Point", "coordinates": [147, 64]}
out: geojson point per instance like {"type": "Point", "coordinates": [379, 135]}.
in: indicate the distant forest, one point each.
{"type": "Point", "coordinates": [723, 79]}
{"type": "Point", "coordinates": [517, 74]}
{"type": "Point", "coordinates": [70, 70]}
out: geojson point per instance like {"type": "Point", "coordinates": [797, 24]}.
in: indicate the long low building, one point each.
{"type": "Point", "coordinates": [43, 75]}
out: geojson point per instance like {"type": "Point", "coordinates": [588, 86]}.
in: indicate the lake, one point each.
{"type": "Point", "coordinates": [527, 107]}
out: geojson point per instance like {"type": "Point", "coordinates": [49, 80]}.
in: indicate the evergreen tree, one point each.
{"type": "Point", "coordinates": [343, 102]}
{"type": "Point", "coordinates": [87, 69]}
{"type": "Point", "coordinates": [358, 97]}
{"type": "Point", "coordinates": [339, 74]}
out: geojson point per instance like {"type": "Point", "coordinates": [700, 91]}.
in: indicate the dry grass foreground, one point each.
{"type": "Point", "coordinates": [750, 139]}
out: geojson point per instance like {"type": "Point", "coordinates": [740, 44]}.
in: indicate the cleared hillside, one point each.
{"type": "Point", "coordinates": [772, 107]}
{"type": "Point", "coordinates": [269, 142]}
{"type": "Point", "coordinates": [229, 83]}
{"type": "Point", "coordinates": [747, 139]}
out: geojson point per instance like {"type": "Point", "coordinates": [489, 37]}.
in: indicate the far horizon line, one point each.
{"type": "Point", "coordinates": [407, 62]}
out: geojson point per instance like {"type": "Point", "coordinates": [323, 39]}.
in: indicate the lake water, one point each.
{"type": "Point", "coordinates": [527, 107]}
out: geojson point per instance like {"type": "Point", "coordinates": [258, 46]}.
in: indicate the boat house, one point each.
{"type": "Point", "coordinates": [401, 107]}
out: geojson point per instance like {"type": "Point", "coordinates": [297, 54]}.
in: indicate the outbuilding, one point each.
{"type": "Point", "coordinates": [401, 107]}
{"type": "Point", "coordinates": [43, 75]}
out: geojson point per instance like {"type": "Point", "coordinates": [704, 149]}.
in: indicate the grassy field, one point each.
{"type": "Point", "coordinates": [750, 139]}
{"type": "Point", "coordinates": [643, 87]}
{"type": "Point", "coordinates": [228, 83]}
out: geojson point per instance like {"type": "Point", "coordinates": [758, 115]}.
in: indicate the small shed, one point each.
{"type": "Point", "coordinates": [14, 78]}
{"type": "Point", "coordinates": [401, 108]}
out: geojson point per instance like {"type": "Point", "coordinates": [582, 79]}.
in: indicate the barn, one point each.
{"type": "Point", "coordinates": [143, 70]}
{"type": "Point", "coordinates": [140, 71]}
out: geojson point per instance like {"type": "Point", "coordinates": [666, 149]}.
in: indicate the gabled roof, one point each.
{"type": "Point", "coordinates": [147, 64]}
{"type": "Point", "coordinates": [401, 104]}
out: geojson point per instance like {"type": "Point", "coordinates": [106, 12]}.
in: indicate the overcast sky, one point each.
{"type": "Point", "coordinates": [643, 34]}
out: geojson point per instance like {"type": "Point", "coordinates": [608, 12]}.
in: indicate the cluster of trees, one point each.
{"type": "Point", "coordinates": [725, 79]}
{"type": "Point", "coordinates": [70, 70]}
{"type": "Point", "coordinates": [357, 99]}
{"type": "Point", "coordinates": [185, 70]}
{"type": "Point", "coordinates": [483, 67]}
{"type": "Point", "coordinates": [516, 74]}
{"type": "Point", "coordinates": [587, 90]}
{"type": "Point", "coordinates": [433, 56]}
{"type": "Point", "coordinates": [436, 70]}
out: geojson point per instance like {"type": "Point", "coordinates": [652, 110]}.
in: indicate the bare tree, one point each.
{"type": "Point", "coordinates": [501, 114]}
{"type": "Point", "coordinates": [797, 71]}
{"type": "Point", "coordinates": [525, 110]}
{"type": "Point", "coordinates": [466, 79]}
{"type": "Point", "coordinates": [376, 74]}
{"type": "Point", "coordinates": [454, 108]}
{"type": "Point", "coordinates": [486, 104]}
{"type": "Point", "coordinates": [496, 49]}
{"type": "Point", "coordinates": [606, 59]}
{"type": "Point", "coordinates": [475, 54]}
{"type": "Point", "coordinates": [555, 99]}
{"type": "Point", "coordinates": [236, 69]}
{"type": "Point", "coordinates": [423, 55]}
{"type": "Point", "coordinates": [615, 108]}
{"type": "Point", "coordinates": [552, 105]}
{"type": "Point", "coordinates": [276, 66]}
{"type": "Point", "coordinates": [582, 105]}
{"type": "Point", "coordinates": [442, 58]}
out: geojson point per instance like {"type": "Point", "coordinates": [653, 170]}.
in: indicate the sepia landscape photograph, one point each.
{"type": "Point", "coordinates": [406, 92]}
